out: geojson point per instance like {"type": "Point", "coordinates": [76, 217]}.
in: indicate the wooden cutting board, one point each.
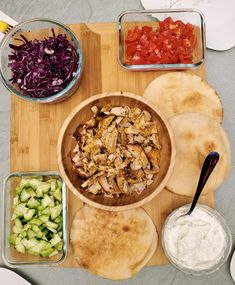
{"type": "Point", "coordinates": [35, 127]}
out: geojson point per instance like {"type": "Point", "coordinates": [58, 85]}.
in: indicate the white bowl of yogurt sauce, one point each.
{"type": "Point", "coordinates": [199, 243]}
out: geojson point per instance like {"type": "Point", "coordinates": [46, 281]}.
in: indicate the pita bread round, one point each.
{"type": "Point", "coordinates": [196, 135]}
{"type": "Point", "coordinates": [114, 245]}
{"type": "Point", "coordinates": [179, 92]}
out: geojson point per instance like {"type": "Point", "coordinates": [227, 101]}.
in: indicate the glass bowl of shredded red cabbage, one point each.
{"type": "Point", "coordinates": [41, 61]}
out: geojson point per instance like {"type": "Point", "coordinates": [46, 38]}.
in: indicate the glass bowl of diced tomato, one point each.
{"type": "Point", "coordinates": [161, 39]}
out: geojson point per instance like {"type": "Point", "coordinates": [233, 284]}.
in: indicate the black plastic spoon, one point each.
{"type": "Point", "coordinates": [207, 168]}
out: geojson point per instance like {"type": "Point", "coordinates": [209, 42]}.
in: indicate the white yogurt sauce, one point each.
{"type": "Point", "coordinates": [196, 241]}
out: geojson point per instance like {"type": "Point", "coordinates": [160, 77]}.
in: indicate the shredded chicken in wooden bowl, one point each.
{"type": "Point", "coordinates": [117, 151]}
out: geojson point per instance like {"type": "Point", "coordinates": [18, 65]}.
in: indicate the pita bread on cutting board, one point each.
{"type": "Point", "coordinates": [196, 135]}
{"type": "Point", "coordinates": [114, 245]}
{"type": "Point", "coordinates": [179, 92]}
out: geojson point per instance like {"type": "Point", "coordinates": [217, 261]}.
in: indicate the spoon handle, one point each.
{"type": "Point", "coordinates": [208, 166]}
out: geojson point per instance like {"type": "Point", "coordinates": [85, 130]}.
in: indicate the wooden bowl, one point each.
{"type": "Point", "coordinates": [66, 143]}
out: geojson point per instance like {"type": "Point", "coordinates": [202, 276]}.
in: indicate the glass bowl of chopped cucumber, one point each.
{"type": "Point", "coordinates": [34, 219]}
{"type": "Point", "coordinates": [41, 61]}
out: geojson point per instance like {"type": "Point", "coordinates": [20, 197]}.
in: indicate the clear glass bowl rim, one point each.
{"type": "Point", "coordinates": [68, 87]}
{"type": "Point", "coordinates": [224, 225]}
{"type": "Point", "coordinates": [176, 66]}
{"type": "Point", "coordinates": [64, 204]}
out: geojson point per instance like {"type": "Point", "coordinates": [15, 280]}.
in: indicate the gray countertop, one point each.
{"type": "Point", "coordinates": [220, 70]}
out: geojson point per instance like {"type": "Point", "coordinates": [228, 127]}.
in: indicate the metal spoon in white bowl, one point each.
{"type": "Point", "coordinates": [207, 168]}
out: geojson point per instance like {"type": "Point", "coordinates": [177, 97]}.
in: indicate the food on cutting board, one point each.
{"type": "Point", "coordinates": [179, 92]}
{"type": "Point", "coordinates": [170, 42]}
{"type": "Point", "coordinates": [117, 151]}
{"type": "Point", "coordinates": [41, 68]}
{"type": "Point", "coordinates": [196, 135]}
{"type": "Point", "coordinates": [196, 242]}
{"type": "Point", "coordinates": [37, 217]}
{"type": "Point", "coordinates": [114, 245]}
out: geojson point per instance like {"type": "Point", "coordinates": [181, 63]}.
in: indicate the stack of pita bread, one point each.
{"type": "Point", "coordinates": [114, 245]}
{"type": "Point", "coordinates": [195, 113]}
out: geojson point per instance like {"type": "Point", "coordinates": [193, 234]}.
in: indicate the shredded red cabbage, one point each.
{"type": "Point", "coordinates": [42, 68]}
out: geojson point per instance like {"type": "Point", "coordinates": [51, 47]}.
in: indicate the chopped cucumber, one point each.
{"type": "Point", "coordinates": [37, 217]}
{"type": "Point", "coordinates": [20, 248]}
{"type": "Point", "coordinates": [19, 189]}
{"type": "Point", "coordinates": [31, 234]}
{"type": "Point", "coordinates": [24, 242]}
{"type": "Point", "coordinates": [12, 239]}
{"type": "Point", "coordinates": [52, 230]}
{"type": "Point", "coordinates": [33, 203]}
{"type": "Point", "coordinates": [35, 182]}
{"type": "Point", "coordinates": [51, 225]}
{"type": "Point", "coordinates": [16, 201]}
{"type": "Point", "coordinates": [59, 245]}
{"type": "Point", "coordinates": [56, 211]}
{"type": "Point", "coordinates": [56, 239]}
{"type": "Point", "coordinates": [44, 218]}
{"type": "Point", "coordinates": [46, 211]}
{"type": "Point", "coordinates": [35, 221]}
{"type": "Point", "coordinates": [58, 220]}
{"type": "Point", "coordinates": [18, 239]}
{"type": "Point", "coordinates": [53, 185]}
{"type": "Point", "coordinates": [28, 243]}
{"type": "Point", "coordinates": [39, 235]}
{"type": "Point", "coordinates": [18, 224]}
{"type": "Point", "coordinates": [23, 234]}
{"type": "Point", "coordinates": [59, 184]}
{"type": "Point", "coordinates": [53, 253]}
{"type": "Point", "coordinates": [16, 230]}
{"type": "Point", "coordinates": [20, 210]}
{"type": "Point", "coordinates": [39, 193]}
{"type": "Point", "coordinates": [46, 251]}
{"type": "Point", "coordinates": [46, 200]}
{"type": "Point", "coordinates": [58, 194]}
{"type": "Point", "coordinates": [40, 208]}
{"type": "Point", "coordinates": [26, 227]}
{"type": "Point", "coordinates": [29, 215]}
{"type": "Point", "coordinates": [52, 203]}
{"type": "Point", "coordinates": [35, 228]}
{"type": "Point", "coordinates": [26, 194]}
{"type": "Point", "coordinates": [39, 246]}
{"type": "Point", "coordinates": [44, 188]}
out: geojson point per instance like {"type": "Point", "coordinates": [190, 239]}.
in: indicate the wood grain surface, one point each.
{"type": "Point", "coordinates": [35, 128]}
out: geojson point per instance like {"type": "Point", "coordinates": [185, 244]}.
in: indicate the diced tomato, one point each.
{"type": "Point", "coordinates": [153, 58]}
{"type": "Point", "coordinates": [167, 33]}
{"type": "Point", "coordinates": [152, 46]}
{"type": "Point", "coordinates": [144, 52]}
{"type": "Point", "coordinates": [164, 59]}
{"type": "Point", "coordinates": [131, 49]}
{"type": "Point", "coordinates": [137, 60]}
{"type": "Point", "coordinates": [144, 40]}
{"type": "Point", "coordinates": [179, 23]}
{"type": "Point", "coordinates": [186, 43]}
{"type": "Point", "coordinates": [172, 42]}
{"type": "Point", "coordinates": [147, 29]}
{"type": "Point", "coordinates": [189, 27]}
{"type": "Point", "coordinates": [131, 37]}
{"type": "Point", "coordinates": [153, 36]}
{"type": "Point", "coordinates": [137, 30]}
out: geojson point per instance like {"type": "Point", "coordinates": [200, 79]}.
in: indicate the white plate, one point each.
{"type": "Point", "coordinates": [219, 15]}
{"type": "Point", "coordinates": [232, 267]}
{"type": "Point", "coordinates": [8, 277]}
